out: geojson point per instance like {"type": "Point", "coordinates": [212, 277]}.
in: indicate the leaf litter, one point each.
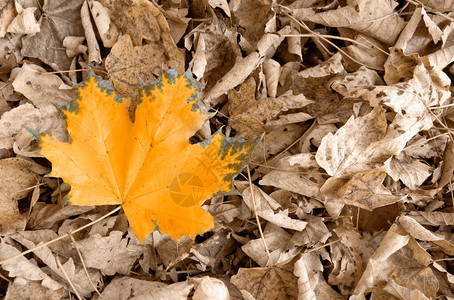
{"type": "Point", "coordinates": [350, 189]}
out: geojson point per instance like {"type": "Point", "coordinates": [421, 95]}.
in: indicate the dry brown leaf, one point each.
{"type": "Point", "coordinates": [126, 65]}
{"type": "Point", "coordinates": [144, 23]}
{"type": "Point", "coordinates": [277, 240]}
{"type": "Point", "coordinates": [112, 254]}
{"type": "Point", "coordinates": [222, 4]}
{"type": "Point", "coordinates": [366, 52]}
{"type": "Point", "coordinates": [412, 172]}
{"type": "Point", "coordinates": [375, 220]}
{"type": "Point", "coordinates": [271, 69]}
{"type": "Point", "coordinates": [349, 83]}
{"type": "Point", "coordinates": [60, 19]}
{"type": "Point", "coordinates": [42, 88]}
{"type": "Point", "coordinates": [315, 233]}
{"type": "Point", "coordinates": [216, 50]}
{"type": "Point", "coordinates": [74, 272]}
{"type": "Point", "coordinates": [364, 189]}
{"type": "Point", "coordinates": [448, 166]}
{"type": "Point", "coordinates": [401, 259]}
{"type": "Point", "coordinates": [7, 14]}
{"type": "Point", "coordinates": [375, 18]}
{"type": "Point", "coordinates": [131, 288]}
{"type": "Point", "coordinates": [418, 231]}
{"type": "Point", "coordinates": [256, 17]}
{"type": "Point", "coordinates": [24, 22]}
{"type": "Point", "coordinates": [441, 6]}
{"type": "Point", "coordinates": [434, 31]}
{"type": "Point", "coordinates": [265, 206]}
{"type": "Point", "coordinates": [244, 66]}
{"type": "Point", "coordinates": [18, 175]}
{"type": "Point", "coordinates": [74, 45]}
{"type": "Point", "coordinates": [47, 215]}
{"type": "Point", "coordinates": [349, 257]}
{"type": "Point", "coordinates": [266, 283]}
{"type": "Point", "coordinates": [355, 147]}
{"type": "Point", "coordinates": [14, 124]}
{"type": "Point", "coordinates": [107, 30]}
{"type": "Point", "coordinates": [210, 288]}
{"type": "Point", "coordinates": [289, 177]}
{"type": "Point", "coordinates": [401, 292]}
{"type": "Point", "coordinates": [436, 218]}
{"type": "Point", "coordinates": [24, 268]}
{"type": "Point", "coordinates": [27, 289]}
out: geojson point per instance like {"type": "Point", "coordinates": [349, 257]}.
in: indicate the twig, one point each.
{"type": "Point", "coordinates": [294, 143]}
{"type": "Point", "coordinates": [57, 259]}
{"type": "Point", "coordinates": [288, 171]}
{"type": "Point", "coordinates": [322, 246]}
{"type": "Point", "coordinates": [305, 27]}
{"type": "Point", "coordinates": [83, 265]}
{"type": "Point", "coordinates": [257, 217]}
{"type": "Point", "coordinates": [423, 142]}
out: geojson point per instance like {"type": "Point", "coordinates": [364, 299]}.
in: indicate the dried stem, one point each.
{"type": "Point", "coordinates": [57, 259]}
{"type": "Point", "coordinates": [257, 217]}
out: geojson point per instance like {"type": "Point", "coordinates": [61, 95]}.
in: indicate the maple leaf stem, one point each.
{"type": "Point", "coordinates": [257, 217]}
{"type": "Point", "coordinates": [61, 237]}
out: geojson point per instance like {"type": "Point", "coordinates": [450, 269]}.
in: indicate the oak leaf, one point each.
{"type": "Point", "coordinates": [148, 166]}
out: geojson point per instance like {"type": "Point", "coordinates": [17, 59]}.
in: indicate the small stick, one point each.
{"type": "Point", "coordinates": [83, 265]}
{"type": "Point", "coordinates": [57, 259]}
{"type": "Point", "coordinates": [257, 217]}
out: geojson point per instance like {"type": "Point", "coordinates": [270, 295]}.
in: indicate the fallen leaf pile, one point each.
{"type": "Point", "coordinates": [126, 192]}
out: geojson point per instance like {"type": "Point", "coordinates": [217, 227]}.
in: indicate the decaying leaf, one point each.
{"type": "Point", "coordinates": [398, 258]}
{"type": "Point", "coordinates": [266, 283]}
{"type": "Point", "coordinates": [59, 19]}
{"type": "Point", "coordinates": [149, 166]}
{"type": "Point", "coordinates": [128, 287]}
{"type": "Point", "coordinates": [111, 255]}
{"type": "Point", "coordinates": [355, 146]}
{"type": "Point", "coordinates": [14, 124]}
{"type": "Point", "coordinates": [375, 18]}
{"type": "Point", "coordinates": [18, 175]}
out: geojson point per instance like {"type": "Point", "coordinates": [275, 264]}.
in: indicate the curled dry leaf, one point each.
{"type": "Point", "coordinates": [210, 288]}
{"type": "Point", "coordinates": [107, 30]}
{"type": "Point", "coordinates": [265, 207]}
{"type": "Point", "coordinates": [401, 259]}
{"type": "Point", "coordinates": [149, 166]}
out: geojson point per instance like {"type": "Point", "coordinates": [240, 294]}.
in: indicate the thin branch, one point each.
{"type": "Point", "coordinates": [57, 259]}
{"type": "Point", "coordinates": [83, 265]}
{"type": "Point", "coordinates": [262, 236]}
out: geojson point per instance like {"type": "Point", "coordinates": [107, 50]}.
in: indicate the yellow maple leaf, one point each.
{"type": "Point", "coordinates": [148, 166]}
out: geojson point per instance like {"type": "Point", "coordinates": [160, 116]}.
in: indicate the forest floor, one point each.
{"type": "Point", "coordinates": [345, 106]}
